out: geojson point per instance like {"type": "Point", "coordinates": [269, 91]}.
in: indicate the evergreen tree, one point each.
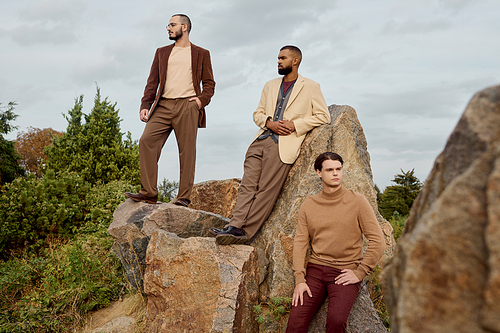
{"type": "Point", "coordinates": [9, 167]}
{"type": "Point", "coordinates": [399, 198]}
{"type": "Point", "coordinates": [95, 150]}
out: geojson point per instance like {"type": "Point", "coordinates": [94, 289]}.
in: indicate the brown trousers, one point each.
{"type": "Point", "coordinates": [263, 177]}
{"type": "Point", "coordinates": [180, 115]}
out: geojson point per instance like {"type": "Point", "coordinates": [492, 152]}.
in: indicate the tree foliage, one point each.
{"type": "Point", "coordinates": [30, 146]}
{"type": "Point", "coordinates": [31, 209]}
{"type": "Point", "coordinates": [399, 197]}
{"type": "Point", "coordinates": [9, 167]}
{"type": "Point", "coordinates": [95, 149]}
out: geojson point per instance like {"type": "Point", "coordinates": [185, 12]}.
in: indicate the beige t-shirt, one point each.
{"type": "Point", "coordinates": [179, 82]}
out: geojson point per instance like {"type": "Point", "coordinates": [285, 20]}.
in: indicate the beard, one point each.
{"type": "Point", "coordinates": [285, 70]}
{"type": "Point", "coordinates": [178, 34]}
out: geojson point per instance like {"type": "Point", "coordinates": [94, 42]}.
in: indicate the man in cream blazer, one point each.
{"type": "Point", "coordinates": [289, 108]}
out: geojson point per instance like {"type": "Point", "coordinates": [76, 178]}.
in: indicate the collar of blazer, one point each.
{"type": "Point", "coordinates": [297, 87]}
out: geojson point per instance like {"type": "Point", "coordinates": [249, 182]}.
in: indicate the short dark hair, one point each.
{"type": "Point", "coordinates": [294, 49]}
{"type": "Point", "coordinates": [184, 20]}
{"type": "Point", "coordinates": [318, 164]}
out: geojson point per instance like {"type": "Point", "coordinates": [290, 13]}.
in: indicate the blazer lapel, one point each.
{"type": "Point", "coordinates": [275, 90]}
{"type": "Point", "coordinates": [297, 87]}
{"type": "Point", "coordinates": [194, 61]}
{"type": "Point", "coordinates": [164, 64]}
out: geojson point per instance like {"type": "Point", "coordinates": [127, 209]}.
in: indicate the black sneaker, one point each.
{"type": "Point", "coordinates": [231, 235]}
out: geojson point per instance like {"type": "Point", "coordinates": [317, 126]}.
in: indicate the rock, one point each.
{"type": "Point", "coordinates": [363, 317]}
{"type": "Point", "coordinates": [134, 222]}
{"type": "Point", "coordinates": [216, 196]}
{"type": "Point", "coordinates": [344, 135]}
{"type": "Point", "coordinates": [445, 272]}
{"type": "Point", "coordinates": [124, 324]}
{"type": "Point", "coordinates": [196, 285]}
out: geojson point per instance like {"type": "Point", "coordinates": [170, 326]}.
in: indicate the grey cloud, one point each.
{"type": "Point", "coordinates": [412, 26]}
{"type": "Point", "coordinates": [41, 33]}
{"type": "Point", "coordinates": [126, 60]}
{"type": "Point", "coordinates": [53, 11]}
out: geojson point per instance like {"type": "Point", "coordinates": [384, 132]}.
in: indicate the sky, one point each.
{"type": "Point", "coordinates": [408, 68]}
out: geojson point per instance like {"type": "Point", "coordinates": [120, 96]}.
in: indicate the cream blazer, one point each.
{"type": "Point", "coordinates": [306, 108]}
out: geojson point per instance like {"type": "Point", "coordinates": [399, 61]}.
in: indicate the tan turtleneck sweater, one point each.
{"type": "Point", "coordinates": [335, 222]}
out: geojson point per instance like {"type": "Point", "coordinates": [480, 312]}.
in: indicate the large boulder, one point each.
{"type": "Point", "coordinates": [445, 272]}
{"type": "Point", "coordinates": [345, 136]}
{"type": "Point", "coordinates": [216, 196]}
{"type": "Point", "coordinates": [134, 223]}
{"type": "Point", "coordinates": [274, 243]}
{"type": "Point", "coordinates": [196, 285]}
{"type": "Point", "coordinates": [185, 268]}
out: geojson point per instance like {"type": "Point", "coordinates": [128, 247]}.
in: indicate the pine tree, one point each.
{"type": "Point", "coordinates": [399, 198]}
{"type": "Point", "coordinates": [95, 150]}
{"type": "Point", "coordinates": [9, 167]}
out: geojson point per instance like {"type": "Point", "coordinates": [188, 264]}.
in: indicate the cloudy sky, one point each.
{"type": "Point", "coordinates": [409, 67]}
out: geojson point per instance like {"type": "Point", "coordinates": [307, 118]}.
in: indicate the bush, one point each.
{"type": "Point", "coordinates": [397, 222]}
{"type": "Point", "coordinates": [102, 201]}
{"type": "Point", "coordinates": [32, 209]}
{"type": "Point", "coordinates": [51, 292]}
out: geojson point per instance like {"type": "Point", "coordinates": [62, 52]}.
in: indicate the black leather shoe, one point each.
{"type": "Point", "coordinates": [182, 202]}
{"type": "Point", "coordinates": [215, 231]}
{"type": "Point", "coordinates": [231, 235]}
{"type": "Point", "coordinates": [141, 197]}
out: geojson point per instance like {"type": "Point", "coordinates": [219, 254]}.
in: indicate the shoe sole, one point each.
{"type": "Point", "coordinates": [227, 239]}
{"type": "Point", "coordinates": [139, 200]}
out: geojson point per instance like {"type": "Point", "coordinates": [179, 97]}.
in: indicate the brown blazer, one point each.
{"type": "Point", "coordinates": [202, 72]}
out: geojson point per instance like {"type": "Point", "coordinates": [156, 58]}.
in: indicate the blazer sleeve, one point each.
{"type": "Point", "coordinates": [152, 83]}
{"type": "Point", "coordinates": [320, 114]}
{"type": "Point", "coordinates": [260, 116]}
{"type": "Point", "coordinates": [207, 80]}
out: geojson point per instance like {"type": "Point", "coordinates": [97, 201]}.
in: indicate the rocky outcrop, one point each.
{"type": "Point", "coordinates": [181, 263]}
{"type": "Point", "coordinates": [196, 285]}
{"type": "Point", "coordinates": [445, 273]}
{"type": "Point", "coordinates": [134, 223]}
{"type": "Point", "coordinates": [216, 196]}
{"type": "Point", "coordinates": [344, 135]}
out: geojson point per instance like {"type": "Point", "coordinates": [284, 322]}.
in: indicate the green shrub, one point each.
{"type": "Point", "coordinates": [397, 222]}
{"type": "Point", "coordinates": [31, 208]}
{"type": "Point", "coordinates": [102, 201]}
{"type": "Point", "coordinates": [49, 293]}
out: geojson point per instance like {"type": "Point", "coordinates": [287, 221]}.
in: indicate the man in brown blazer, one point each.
{"type": "Point", "coordinates": [173, 100]}
{"type": "Point", "coordinates": [289, 108]}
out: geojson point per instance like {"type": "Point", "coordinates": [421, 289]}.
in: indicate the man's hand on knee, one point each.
{"type": "Point", "coordinates": [298, 293]}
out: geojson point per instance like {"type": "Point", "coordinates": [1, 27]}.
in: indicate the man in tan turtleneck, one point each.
{"type": "Point", "coordinates": [333, 221]}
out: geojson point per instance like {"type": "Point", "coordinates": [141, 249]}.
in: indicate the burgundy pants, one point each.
{"type": "Point", "coordinates": [321, 281]}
